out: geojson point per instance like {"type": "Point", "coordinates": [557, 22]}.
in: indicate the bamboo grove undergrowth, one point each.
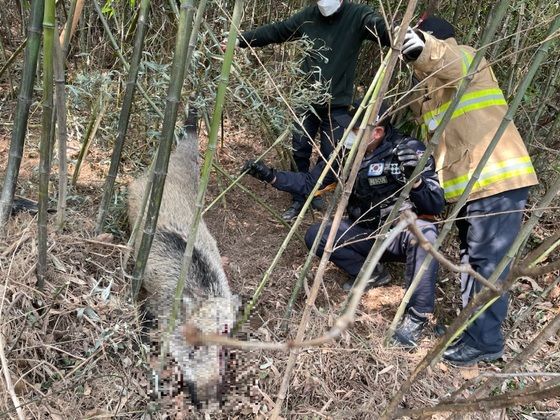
{"type": "Point", "coordinates": [132, 66]}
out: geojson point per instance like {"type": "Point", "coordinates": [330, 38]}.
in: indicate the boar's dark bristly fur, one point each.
{"type": "Point", "coordinates": [207, 301]}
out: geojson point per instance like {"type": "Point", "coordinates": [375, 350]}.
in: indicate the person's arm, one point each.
{"type": "Point", "coordinates": [426, 194]}
{"type": "Point", "coordinates": [374, 27]}
{"type": "Point", "coordinates": [302, 183]}
{"type": "Point", "coordinates": [274, 33]}
{"type": "Point", "coordinates": [444, 60]}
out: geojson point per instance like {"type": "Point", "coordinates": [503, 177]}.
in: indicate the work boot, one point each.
{"type": "Point", "coordinates": [379, 277]}
{"type": "Point", "coordinates": [318, 203]}
{"type": "Point", "coordinates": [409, 332]}
{"type": "Point", "coordinates": [463, 354]}
{"type": "Point", "coordinates": [292, 212]}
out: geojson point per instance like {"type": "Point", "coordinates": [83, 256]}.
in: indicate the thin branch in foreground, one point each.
{"type": "Point", "coordinates": [463, 268]}
{"type": "Point", "coordinates": [484, 404]}
{"type": "Point", "coordinates": [8, 379]}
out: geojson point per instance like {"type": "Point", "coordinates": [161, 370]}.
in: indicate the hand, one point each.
{"type": "Point", "coordinates": [413, 44]}
{"type": "Point", "coordinates": [223, 44]}
{"type": "Point", "coordinates": [259, 170]}
{"type": "Point", "coordinates": [408, 159]}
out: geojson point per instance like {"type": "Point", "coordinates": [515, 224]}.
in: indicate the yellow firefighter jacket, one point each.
{"type": "Point", "coordinates": [440, 67]}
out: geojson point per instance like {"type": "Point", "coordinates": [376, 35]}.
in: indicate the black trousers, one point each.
{"type": "Point", "coordinates": [330, 133]}
{"type": "Point", "coordinates": [352, 247]}
{"type": "Point", "coordinates": [485, 238]}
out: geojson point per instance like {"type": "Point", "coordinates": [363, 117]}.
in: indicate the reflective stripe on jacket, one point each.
{"type": "Point", "coordinates": [440, 67]}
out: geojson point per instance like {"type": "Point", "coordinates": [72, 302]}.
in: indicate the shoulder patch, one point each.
{"type": "Point", "coordinates": [376, 169]}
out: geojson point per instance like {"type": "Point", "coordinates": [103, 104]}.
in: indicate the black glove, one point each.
{"type": "Point", "coordinates": [408, 159]}
{"type": "Point", "coordinates": [259, 170]}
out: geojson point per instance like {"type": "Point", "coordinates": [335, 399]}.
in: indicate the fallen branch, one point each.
{"type": "Point", "coordinates": [463, 268]}
{"type": "Point", "coordinates": [484, 404]}
{"type": "Point", "coordinates": [8, 379]}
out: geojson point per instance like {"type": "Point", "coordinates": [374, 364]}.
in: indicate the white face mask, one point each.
{"type": "Point", "coordinates": [350, 140]}
{"type": "Point", "coordinates": [328, 7]}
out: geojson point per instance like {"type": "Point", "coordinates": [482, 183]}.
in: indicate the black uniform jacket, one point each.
{"type": "Point", "coordinates": [336, 42]}
{"type": "Point", "coordinates": [378, 183]}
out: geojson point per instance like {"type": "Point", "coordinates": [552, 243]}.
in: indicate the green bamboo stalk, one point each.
{"type": "Point", "coordinates": [517, 39]}
{"type": "Point", "coordinates": [196, 29]}
{"type": "Point", "coordinates": [334, 155]}
{"type": "Point", "coordinates": [22, 113]}
{"type": "Point", "coordinates": [489, 32]}
{"type": "Point", "coordinates": [68, 27]}
{"type": "Point", "coordinates": [12, 58]}
{"type": "Point", "coordinates": [336, 196]}
{"type": "Point", "coordinates": [44, 148]}
{"type": "Point", "coordinates": [124, 116]}
{"type": "Point", "coordinates": [164, 150]}
{"type": "Point", "coordinates": [90, 134]}
{"type": "Point", "coordinates": [459, 323]}
{"type": "Point", "coordinates": [120, 55]}
{"type": "Point", "coordinates": [62, 132]}
{"type": "Point", "coordinates": [206, 168]}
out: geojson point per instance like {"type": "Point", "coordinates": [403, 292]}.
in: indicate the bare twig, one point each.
{"type": "Point", "coordinates": [463, 268]}
{"type": "Point", "coordinates": [484, 404]}
{"type": "Point", "coordinates": [8, 379]}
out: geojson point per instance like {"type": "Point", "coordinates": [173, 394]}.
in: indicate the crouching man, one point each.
{"type": "Point", "coordinates": [390, 159]}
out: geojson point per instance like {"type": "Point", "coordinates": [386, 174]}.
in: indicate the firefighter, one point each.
{"type": "Point", "coordinates": [499, 195]}
{"type": "Point", "coordinates": [390, 159]}
{"type": "Point", "coordinates": [327, 24]}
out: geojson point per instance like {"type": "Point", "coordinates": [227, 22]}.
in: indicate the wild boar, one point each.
{"type": "Point", "coordinates": [207, 301]}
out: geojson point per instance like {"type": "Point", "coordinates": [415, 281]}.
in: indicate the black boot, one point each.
{"type": "Point", "coordinates": [379, 277]}
{"type": "Point", "coordinates": [409, 332]}
{"type": "Point", "coordinates": [292, 211]}
{"type": "Point", "coordinates": [463, 354]}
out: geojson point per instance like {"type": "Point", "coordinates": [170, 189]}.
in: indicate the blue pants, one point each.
{"type": "Point", "coordinates": [330, 131]}
{"type": "Point", "coordinates": [352, 247]}
{"type": "Point", "coordinates": [484, 242]}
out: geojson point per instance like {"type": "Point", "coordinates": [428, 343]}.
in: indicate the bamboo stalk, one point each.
{"type": "Point", "coordinates": [22, 113]}
{"type": "Point", "coordinates": [124, 116]}
{"type": "Point", "coordinates": [90, 134]}
{"type": "Point", "coordinates": [62, 133]}
{"type": "Point", "coordinates": [8, 76]}
{"type": "Point", "coordinates": [13, 57]}
{"type": "Point", "coordinates": [295, 225]}
{"type": "Point", "coordinates": [352, 166]}
{"type": "Point", "coordinates": [44, 148]}
{"type": "Point", "coordinates": [516, 42]}
{"type": "Point", "coordinates": [164, 150]}
{"type": "Point", "coordinates": [196, 29]}
{"type": "Point", "coordinates": [206, 168]}
{"type": "Point", "coordinates": [74, 15]}
{"type": "Point", "coordinates": [485, 42]}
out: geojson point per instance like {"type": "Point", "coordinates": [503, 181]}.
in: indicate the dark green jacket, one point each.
{"type": "Point", "coordinates": [339, 37]}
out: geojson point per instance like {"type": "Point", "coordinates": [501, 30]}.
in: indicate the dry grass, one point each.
{"type": "Point", "coordinates": [76, 350]}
